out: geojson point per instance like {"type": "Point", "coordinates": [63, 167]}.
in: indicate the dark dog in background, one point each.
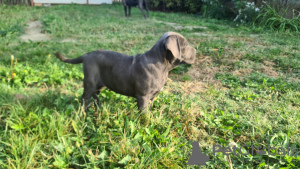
{"type": "Point", "coordinates": [139, 3]}
{"type": "Point", "coordinates": [141, 76]}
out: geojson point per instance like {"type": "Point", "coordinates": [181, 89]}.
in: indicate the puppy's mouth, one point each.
{"type": "Point", "coordinates": [178, 62]}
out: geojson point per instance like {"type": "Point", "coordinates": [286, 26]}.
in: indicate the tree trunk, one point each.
{"type": "Point", "coordinates": [258, 3]}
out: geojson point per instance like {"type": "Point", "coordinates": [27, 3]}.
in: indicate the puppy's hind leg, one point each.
{"type": "Point", "coordinates": [86, 99]}
{"type": "Point", "coordinates": [125, 9]}
{"type": "Point", "coordinates": [96, 99]}
{"type": "Point", "coordinates": [89, 91]}
{"type": "Point", "coordinates": [146, 7]}
{"type": "Point", "coordinates": [95, 95]}
{"type": "Point", "coordinates": [141, 8]}
{"type": "Point", "coordinates": [129, 10]}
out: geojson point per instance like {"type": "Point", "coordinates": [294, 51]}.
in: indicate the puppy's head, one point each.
{"type": "Point", "coordinates": [178, 49]}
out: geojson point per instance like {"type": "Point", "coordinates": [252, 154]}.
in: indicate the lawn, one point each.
{"type": "Point", "coordinates": [242, 90]}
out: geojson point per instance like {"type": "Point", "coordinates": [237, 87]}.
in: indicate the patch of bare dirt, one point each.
{"type": "Point", "coordinates": [179, 27]}
{"type": "Point", "coordinates": [205, 74]}
{"type": "Point", "coordinates": [242, 72]}
{"type": "Point", "coordinates": [190, 87]}
{"type": "Point", "coordinates": [33, 32]}
{"type": "Point", "coordinates": [187, 87]}
{"type": "Point", "coordinates": [269, 63]}
{"type": "Point", "coordinates": [72, 40]}
{"type": "Point", "coordinates": [202, 34]}
{"type": "Point", "coordinates": [202, 71]}
{"type": "Point", "coordinates": [270, 71]}
{"type": "Point", "coordinates": [252, 41]}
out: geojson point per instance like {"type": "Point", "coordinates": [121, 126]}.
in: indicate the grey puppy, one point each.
{"type": "Point", "coordinates": [141, 76]}
{"type": "Point", "coordinates": [139, 3]}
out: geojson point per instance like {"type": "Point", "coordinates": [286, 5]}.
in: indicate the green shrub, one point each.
{"type": "Point", "coordinates": [271, 19]}
{"type": "Point", "coordinates": [193, 5]}
{"type": "Point", "coordinates": [189, 6]}
{"type": "Point", "coordinates": [218, 9]}
{"type": "Point", "coordinates": [247, 12]}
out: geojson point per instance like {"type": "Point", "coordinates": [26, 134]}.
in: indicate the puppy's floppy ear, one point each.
{"type": "Point", "coordinates": [171, 43]}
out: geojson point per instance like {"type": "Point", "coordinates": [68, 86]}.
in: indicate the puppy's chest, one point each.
{"type": "Point", "coordinates": [150, 80]}
{"type": "Point", "coordinates": [155, 84]}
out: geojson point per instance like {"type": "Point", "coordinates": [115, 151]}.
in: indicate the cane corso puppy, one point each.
{"type": "Point", "coordinates": [141, 76]}
{"type": "Point", "coordinates": [139, 3]}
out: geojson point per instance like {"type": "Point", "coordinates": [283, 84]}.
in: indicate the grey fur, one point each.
{"type": "Point", "coordinates": [141, 76]}
{"type": "Point", "coordinates": [140, 3]}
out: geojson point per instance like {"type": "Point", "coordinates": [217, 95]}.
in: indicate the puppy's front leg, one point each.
{"type": "Point", "coordinates": [96, 99]}
{"type": "Point", "coordinates": [86, 102]}
{"type": "Point", "coordinates": [142, 102]}
{"type": "Point", "coordinates": [151, 104]}
{"type": "Point", "coordinates": [125, 9]}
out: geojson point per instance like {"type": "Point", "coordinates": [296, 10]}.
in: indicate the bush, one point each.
{"type": "Point", "coordinates": [271, 19]}
{"type": "Point", "coordinates": [247, 12]}
{"type": "Point", "coordinates": [189, 6]}
{"type": "Point", "coordinates": [224, 9]}
{"type": "Point", "coordinates": [194, 6]}
{"type": "Point", "coordinates": [211, 8]}
{"type": "Point", "coordinates": [240, 11]}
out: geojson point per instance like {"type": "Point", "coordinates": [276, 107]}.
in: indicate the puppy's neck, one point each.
{"type": "Point", "coordinates": [159, 58]}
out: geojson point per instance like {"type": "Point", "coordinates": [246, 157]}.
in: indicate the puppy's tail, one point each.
{"type": "Point", "coordinates": [67, 60]}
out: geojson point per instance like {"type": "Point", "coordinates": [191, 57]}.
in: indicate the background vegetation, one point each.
{"type": "Point", "coordinates": [243, 89]}
{"type": "Point", "coordinates": [270, 14]}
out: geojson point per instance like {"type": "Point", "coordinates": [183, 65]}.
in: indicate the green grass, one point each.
{"type": "Point", "coordinates": [243, 89]}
